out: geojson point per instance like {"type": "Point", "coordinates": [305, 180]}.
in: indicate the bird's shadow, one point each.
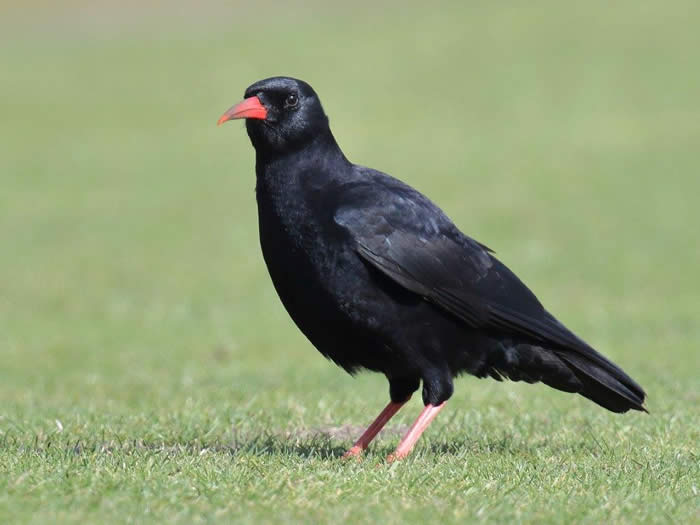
{"type": "Point", "coordinates": [332, 442]}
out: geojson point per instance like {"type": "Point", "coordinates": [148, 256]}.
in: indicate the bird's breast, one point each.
{"type": "Point", "coordinates": [322, 283]}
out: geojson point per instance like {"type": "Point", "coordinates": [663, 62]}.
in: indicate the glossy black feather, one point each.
{"type": "Point", "coordinates": [378, 277]}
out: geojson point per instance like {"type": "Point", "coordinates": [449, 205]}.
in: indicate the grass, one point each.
{"type": "Point", "coordinates": [149, 373]}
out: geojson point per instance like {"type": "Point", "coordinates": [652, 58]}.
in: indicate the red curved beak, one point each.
{"type": "Point", "coordinates": [248, 108]}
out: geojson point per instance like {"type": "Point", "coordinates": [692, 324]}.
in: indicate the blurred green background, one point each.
{"type": "Point", "coordinates": [150, 373]}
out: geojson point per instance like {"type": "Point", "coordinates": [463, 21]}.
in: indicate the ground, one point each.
{"type": "Point", "coordinates": [149, 373]}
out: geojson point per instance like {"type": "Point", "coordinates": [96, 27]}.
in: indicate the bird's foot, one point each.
{"type": "Point", "coordinates": [354, 452]}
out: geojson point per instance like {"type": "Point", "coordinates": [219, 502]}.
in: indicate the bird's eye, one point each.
{"type": "Point", "coordinates": [291, 101]}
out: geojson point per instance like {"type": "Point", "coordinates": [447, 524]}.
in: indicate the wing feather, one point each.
{"type": "Point", "coordinates": [410, 240]}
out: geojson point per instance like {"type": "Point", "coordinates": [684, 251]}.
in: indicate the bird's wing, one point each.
{"type": "Point", "coordinates": [405, 236]}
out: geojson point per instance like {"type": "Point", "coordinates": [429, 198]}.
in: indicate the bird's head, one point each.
{"type": "Point", "coordinates": [282, 114]}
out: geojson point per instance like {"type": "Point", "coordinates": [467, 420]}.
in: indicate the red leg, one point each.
{"type": "Point", "coordinates": [407, 442]}
{"type": "Point", "coordinates": [371, 432]}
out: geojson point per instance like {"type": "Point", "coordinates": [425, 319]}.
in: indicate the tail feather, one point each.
{"type": "Point", "coordinates": [597, 379]}
{"type": "Point", "coordinates": [604, 386]}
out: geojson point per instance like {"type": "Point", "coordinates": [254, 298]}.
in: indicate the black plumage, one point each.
{"type": "Point", "coordinates": [378, 277]}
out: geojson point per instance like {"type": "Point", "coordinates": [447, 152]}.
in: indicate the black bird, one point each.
{"type": "Point", "coordinates": [378, 277]}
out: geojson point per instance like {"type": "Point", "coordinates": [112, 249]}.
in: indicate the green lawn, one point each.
{"type": "Point", "coordinates": [149, 373]}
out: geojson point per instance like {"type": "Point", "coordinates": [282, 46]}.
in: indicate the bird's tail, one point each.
{"type": "Point", "coordinates": [583, 371]}
{"type": "Point", "coordinates": [604, 383]}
